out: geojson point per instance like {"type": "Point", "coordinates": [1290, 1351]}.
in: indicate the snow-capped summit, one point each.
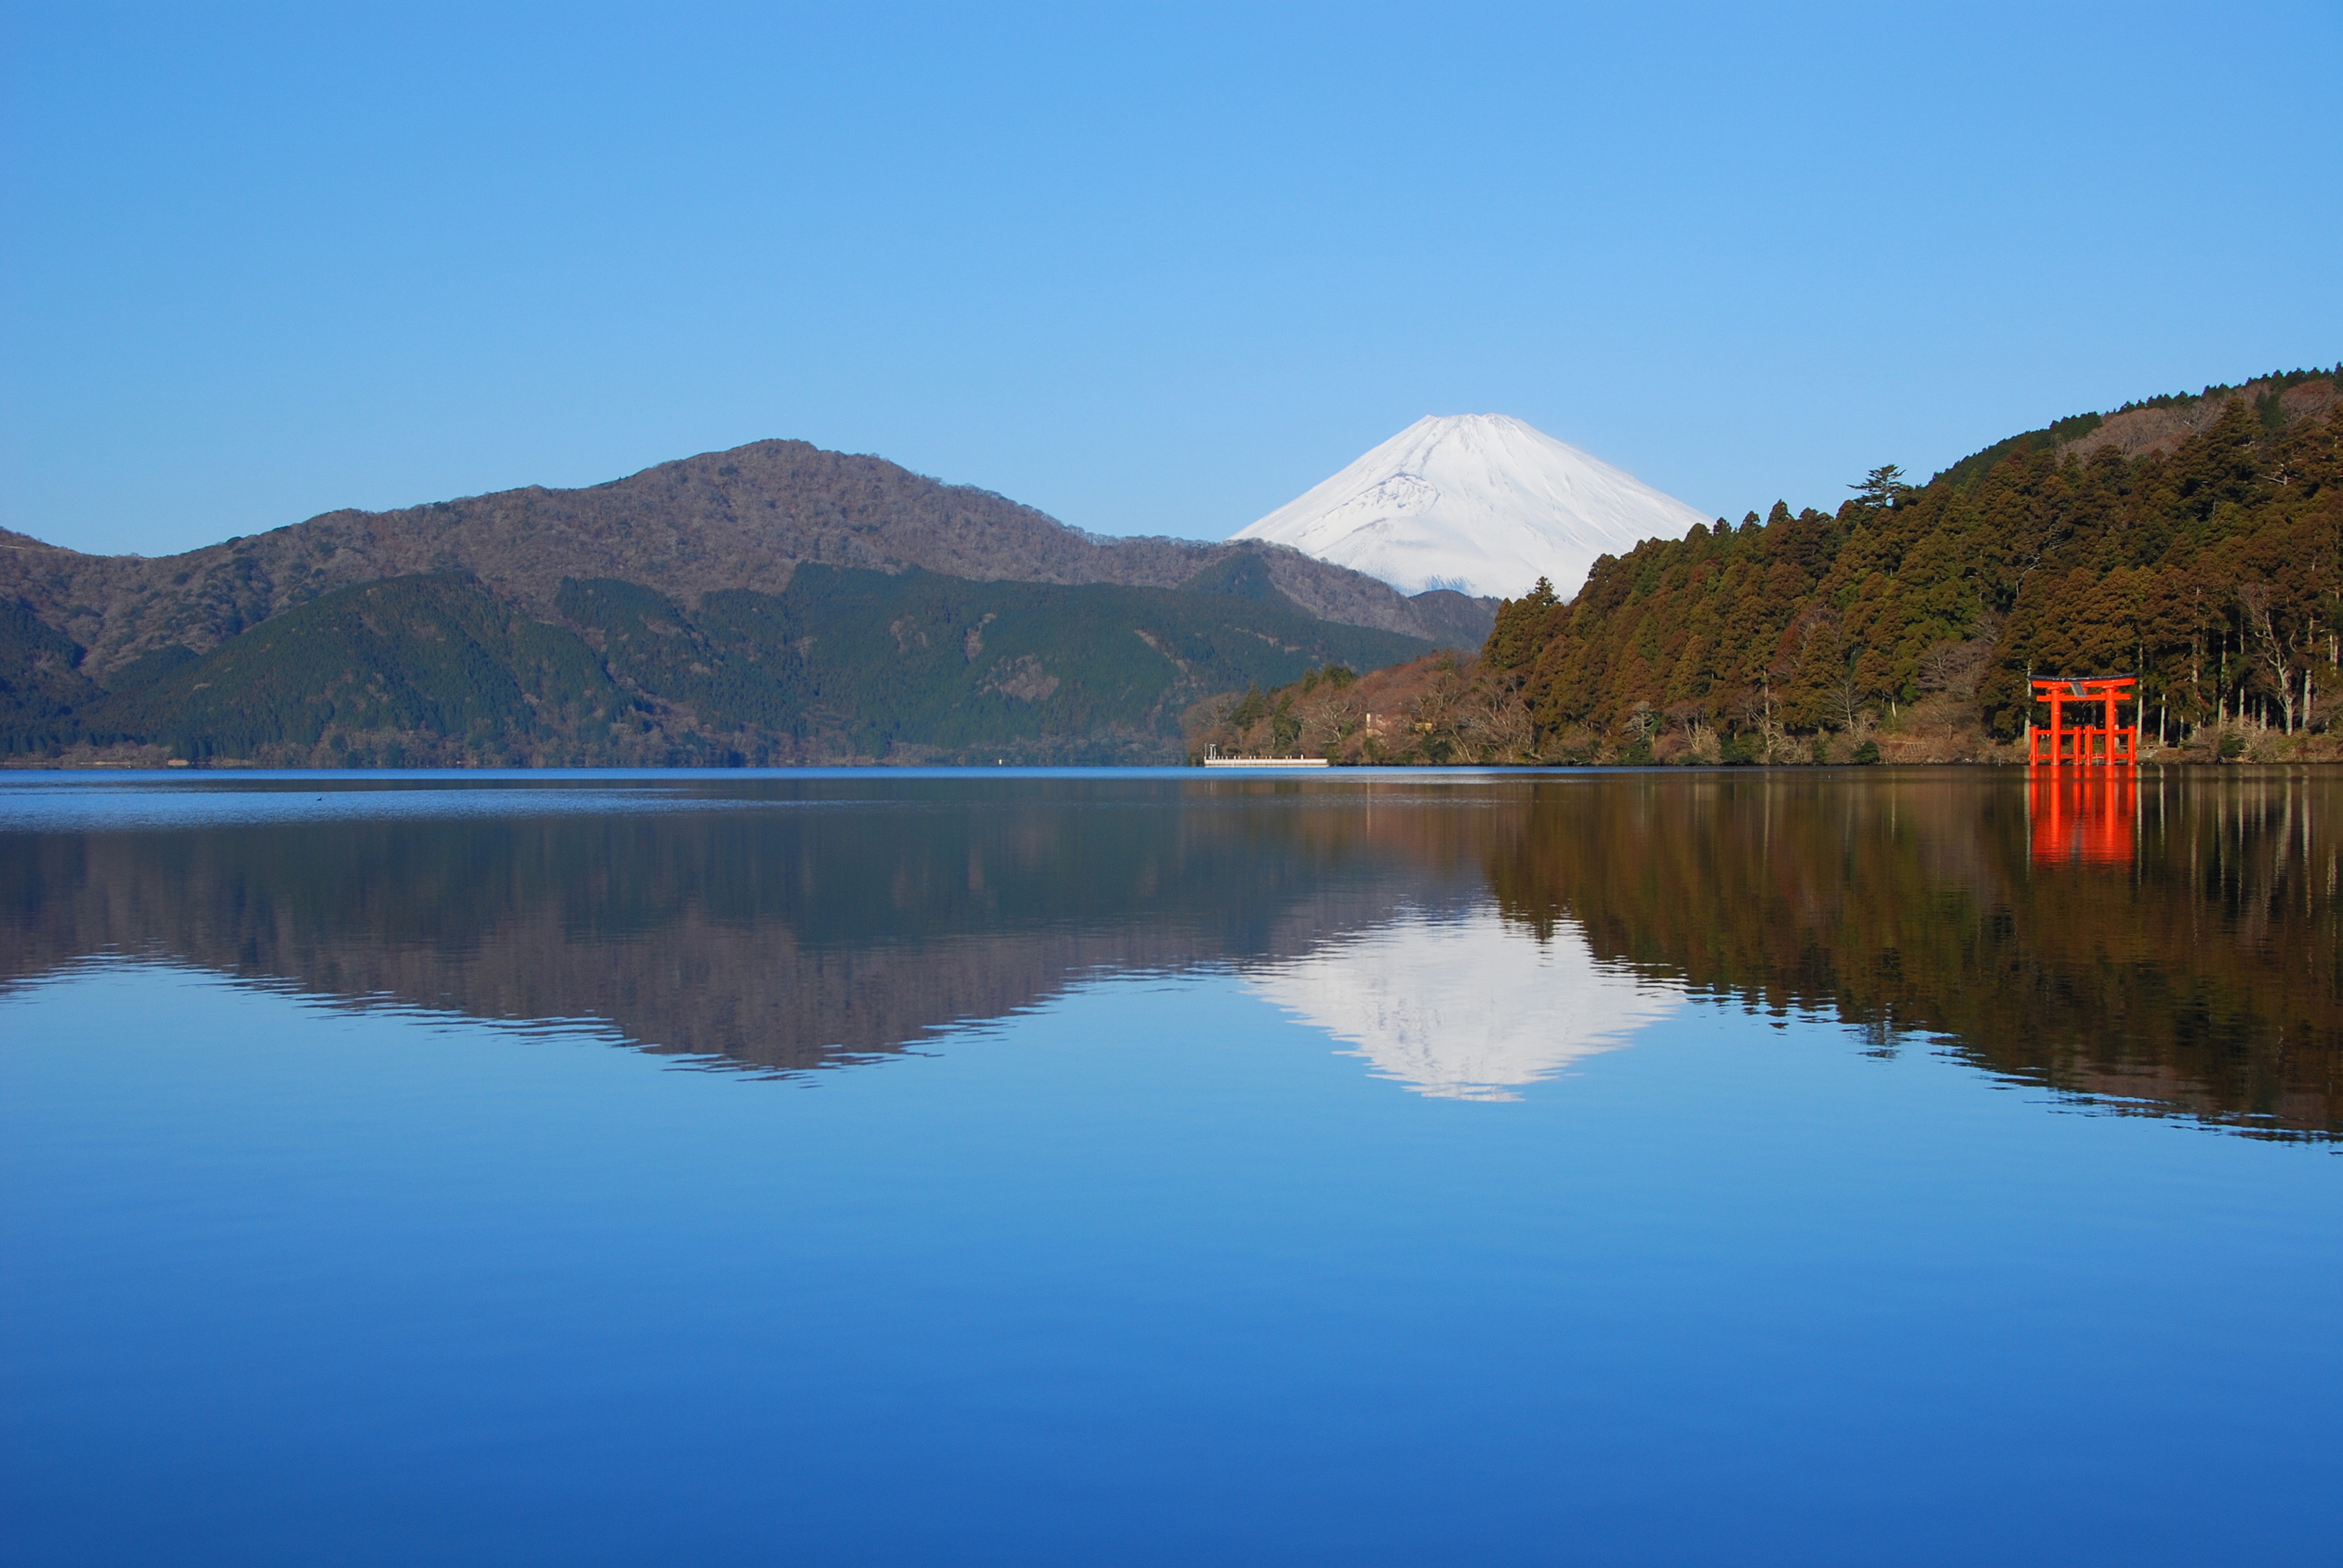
{"type": "Point", "coordinates": [1477, 502]}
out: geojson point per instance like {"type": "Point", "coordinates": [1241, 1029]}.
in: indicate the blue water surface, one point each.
{"type": "Point", "coordinates": [1150, 1271]}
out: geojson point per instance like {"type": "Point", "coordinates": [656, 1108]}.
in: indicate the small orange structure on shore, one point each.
{"type": "Point", "coordinates": [2067, 744]}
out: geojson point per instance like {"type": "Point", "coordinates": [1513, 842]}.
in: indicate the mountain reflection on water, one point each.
{"type": "Point", "coordinates": [2167, 944]}
{"type": "Point", "coordinates": [1467, 1008]}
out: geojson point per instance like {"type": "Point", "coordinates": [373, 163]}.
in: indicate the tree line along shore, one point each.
{"type": "Point", "coordinates": [2192, 543]}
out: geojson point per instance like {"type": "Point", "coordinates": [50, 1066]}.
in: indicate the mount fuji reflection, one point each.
{"type": "Point", "coordinates": [1468, 1007]}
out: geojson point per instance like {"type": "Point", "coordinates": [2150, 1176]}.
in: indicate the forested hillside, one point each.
{"type": "Point", "coordinates": [2191, 541]}
{"type": "Point", "coordinates": [842, 666]}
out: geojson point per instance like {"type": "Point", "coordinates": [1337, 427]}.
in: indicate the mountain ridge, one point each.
{"type": "Point", "coordinates": [744, 518]}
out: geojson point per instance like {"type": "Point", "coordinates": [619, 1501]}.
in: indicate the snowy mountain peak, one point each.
{"type": "Point", "coordinates": [1481, 503]}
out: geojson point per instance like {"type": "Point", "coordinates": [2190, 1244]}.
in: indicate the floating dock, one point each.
{"type": "Point", "coordinates": [1266, 763]}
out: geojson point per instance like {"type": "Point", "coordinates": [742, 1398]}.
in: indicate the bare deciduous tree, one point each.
{"type": "Point", "coordinates": [1501, 724]}
{"type": "Point", "coordinates": [1847, 696]}
{"type": "Point", "coordinates": [1330, 720]}
{"type": "Point", "coordinates": [2275, 656]}
{"type": "Point", "coordinates": [1754, 710]}
{"type": "Point", "coordinates": [1641, 720]}
{"type": "Point", "coordinates": [1955, 665]}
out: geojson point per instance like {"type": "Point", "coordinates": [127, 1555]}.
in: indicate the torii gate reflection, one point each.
{"type": "Point", "coordinates": [2090, 815]}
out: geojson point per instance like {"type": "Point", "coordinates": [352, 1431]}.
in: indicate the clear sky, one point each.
{"type": "Point", "coordinates": [1152, 269]}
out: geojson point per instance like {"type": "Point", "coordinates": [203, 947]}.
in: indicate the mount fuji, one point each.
{"type": "Point", "coordinates": [1479, 503]}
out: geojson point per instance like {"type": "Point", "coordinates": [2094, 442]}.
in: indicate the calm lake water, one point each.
{"type": "Point", "coordinates": [1808, 1167]}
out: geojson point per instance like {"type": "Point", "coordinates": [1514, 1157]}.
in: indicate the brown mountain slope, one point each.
{"type": "Point", "coordinates": [736, 519]}
{"type": "Point", "coordinates": [2162, 426]}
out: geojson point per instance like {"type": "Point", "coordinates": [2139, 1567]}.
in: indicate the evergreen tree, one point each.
{"type": "Point", "coordinates": [1882, 488]}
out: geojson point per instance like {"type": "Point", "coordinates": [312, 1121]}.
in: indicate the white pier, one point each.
{"type": "Point", "coordinates": [1266, 763]}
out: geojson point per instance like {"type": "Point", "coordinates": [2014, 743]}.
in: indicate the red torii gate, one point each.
{"type": "Point", "coordinates": [2064, 745]}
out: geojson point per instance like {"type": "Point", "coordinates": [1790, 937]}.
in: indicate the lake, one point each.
{"type": "Point", "coordinates": [1807, 1166]}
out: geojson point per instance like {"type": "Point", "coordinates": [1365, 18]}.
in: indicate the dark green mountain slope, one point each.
{"type": "Point", "coordinates": [41, 683]}
{"type": "Point", "coordinates": [845, 664]}
{"type": "Point", "coordinates": [920, 666]}
{"type": "Point", "coordinates": [434, 663]}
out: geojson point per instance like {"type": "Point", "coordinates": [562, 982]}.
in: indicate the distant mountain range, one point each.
{"type": "Point", "coordinates": [1478, 503]}
{"type": "Point", "coordinates": [774, 603]}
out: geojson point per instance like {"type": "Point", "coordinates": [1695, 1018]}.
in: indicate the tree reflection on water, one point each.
{"type": "Point", "coordinates": [2163, 944]}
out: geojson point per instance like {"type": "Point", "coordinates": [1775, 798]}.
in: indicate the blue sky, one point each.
{"type": "Point", "coordinates": [1154, 270]}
